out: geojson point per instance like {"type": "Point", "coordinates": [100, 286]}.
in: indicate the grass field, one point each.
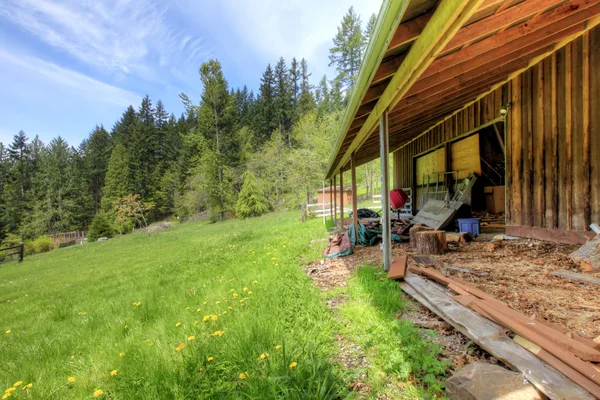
{"type": "Point", "coordinates": [197, 311]}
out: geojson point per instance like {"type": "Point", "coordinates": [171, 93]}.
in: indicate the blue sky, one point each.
{"type": "Point", "coordinates": [67, 65]}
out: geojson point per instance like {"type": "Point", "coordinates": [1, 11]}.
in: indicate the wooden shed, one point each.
{"type": "Point", "coordinates": [506, 89]}
{"type": "Point", "coordinates": [325, 195]}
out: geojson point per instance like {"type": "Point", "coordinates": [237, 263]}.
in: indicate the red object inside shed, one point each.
{"type": "Point", "coordinates": [398, 198]}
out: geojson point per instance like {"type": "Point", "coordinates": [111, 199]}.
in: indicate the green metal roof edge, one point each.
{"type": "Point", "coordinates": [389, 18]}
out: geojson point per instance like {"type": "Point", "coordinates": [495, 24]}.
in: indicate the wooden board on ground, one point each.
{"type": "Point", "coordinates": [588, 255]}
{"type": "Point", "coordinates": [436, 213]}
{"type": "Point", "coordinates": [574, 276]}
{"type": "Point", "coordinates": [491, 338]}
{"type": "Point", "coordinates": [398, 268]}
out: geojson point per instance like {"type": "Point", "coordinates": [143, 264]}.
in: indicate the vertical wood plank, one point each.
{"type": "Point", "coordinates": [548, 143]}
{"type": "Point", "coordinates": [516, 154]}
{"type": "Point", "coordinates": [577, 168]}
{"type": "Point", "coordinates": [527, 152]}
{"type": "Point", "coordinates": [342, 229]}
{"type": "Point", "coordinates": [334, 194]}
{"type": "Point", "coordinates": [561, 111]}
{"type": "Point", "coordinates": [568, 178]}
{"type": "Point", "coordinates": [331, 193]}
{"type": "Point", "coordinates": [539, 209]}
{"type": "Point", "coordinates": [594, 86]}
{"type": "Point", "coordinates": [554, 135]}
{"type": "Point", "coordinates": [508, 128]}
{"type": "Point", "coordinates": [587, 132]}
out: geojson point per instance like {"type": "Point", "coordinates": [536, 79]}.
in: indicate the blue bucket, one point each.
{"type": "Point", "coordinates": [470, 225]}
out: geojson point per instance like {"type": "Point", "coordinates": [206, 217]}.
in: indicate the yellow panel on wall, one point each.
{"type": "Point", "coordinates": [465, 156]}
{"type": "Point", "coordinates": [431, 163]}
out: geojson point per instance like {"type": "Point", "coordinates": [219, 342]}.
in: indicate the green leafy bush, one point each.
{"type": "Point", "coordinates": [100, 227]}
{"type": "Point", "coordinates": [42, 244]}
{"type": "Point", "coordinates": [252, 201]}
{"type": "Point", "coordinates": [11, 240]}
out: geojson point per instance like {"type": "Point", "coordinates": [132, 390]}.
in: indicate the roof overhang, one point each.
{"type": "Point", "coordinates": [429, 58]}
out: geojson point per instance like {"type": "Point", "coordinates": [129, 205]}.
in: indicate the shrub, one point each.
{"type": "Point", "coordinates": [11, 240]}
{"type": "Point", "coordinates": [252, 201]}
{"type": "Point", "coordinates": [42, 244]}
{"type": "Point", "coordinates": [100, 227]}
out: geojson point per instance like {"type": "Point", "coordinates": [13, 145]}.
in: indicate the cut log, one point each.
{"type": "Point", "coordinates": [574, 276]}
{"type": "Point", "coordinates": [460, 237]}
{"type": "Point", "coordinates": [413, 231]}
{"type": "Point", "coordinates": [431, 242]}
{"type": "Point", "coordinates": [589, 254]}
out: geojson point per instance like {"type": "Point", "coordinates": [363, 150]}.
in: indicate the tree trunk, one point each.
{"type": "Point", "coordinates": [431, 242]}
{"type": "Point", "coordinates": [413, 232]}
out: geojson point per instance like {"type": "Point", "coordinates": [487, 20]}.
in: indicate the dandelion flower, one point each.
{"type": "Point", "coordinates": [231, 308]}
{"type": "Point", "coordinates": [8, 332]}
{"type": "Point", "coordinates": [6, 395]}
{"type": "Point", "coordinates": [293, 365]}
{"type": "Point", "coordinates": [224, 312]}
{"type": "Point", "coordinates": [28, 386]}
{"type": "Point", "coordinates": [206, 318]}
{"type": "Point", "coordinates": [264, 356]}
{"type": "Point", "coordinates": [121, 354]}
{"type": "Point", "coordinates": [249, 292]}
{"type": "Point", "coordinates": [71, 379]}
{"type": "Point", "coordinates": [255, 282]}
{"type": "Point", "coordinates": [198, 310]}
{"type": "Point", "coordinates": [278, 347]}
{"type": "Point", "coordinates": [18, 383]}
{"type": "Point", "coordinates": [181, 346]}
{"type": "Point", "coordinates": [191, 338]}
{"type": "Point", "coordinates": [177, 325]}
{"type": "Point", "coordinates": [10, 390]}
{"type": "Point", "coordinates": [244, 289]}
{"type": "Point", "coordinates": [214, 317]}
{"type": "Point", "coordinates": [98, 393]}
{"type": "Point", "coordinates": [187, 308]}
{"type": "Point", "coordinates": [217, 302]}
{"type": "Point", "coordinates": [205, 303]}
{"type": "Point", "coordinates": [243, 375]}
{"type": "Point", "coordinates": [217, 333]}
{"type": "Point", "coordinates": [235, 295]}
{"type": "Point", "coordinates": [210, 359]}
{"type": "Point", "coordinates": [195, 322]}
{"type": "Point", "coordinates": [113, 372]}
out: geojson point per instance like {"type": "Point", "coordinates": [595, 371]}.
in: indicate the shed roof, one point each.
{"type": "Point", "coordinates": [430, 58]}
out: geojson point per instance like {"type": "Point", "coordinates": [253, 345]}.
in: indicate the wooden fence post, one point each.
{"type": "Point", "coordinates": [21, 246]}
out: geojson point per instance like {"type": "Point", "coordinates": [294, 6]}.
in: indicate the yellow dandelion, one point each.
{"type": "Point", "coordinates": [28, 386]}
{"type": "Point", "coordinates": [231, 308]}
{"type": "Point", "coordinates": [177, 325]}
{"type": "Point", "coordinates": [217, 302]}
{"type": "Point", "coordinates": [180, 347]}
{"type": "Point", "coordinates": [278, 347]}
{"type": "Point", "coordinates": [205, 303]}
{"type": "Point", "coordinates": [71, 379]}
{"type": "Point", "coordinates": [113, 372]}
{"type": "Point", "coordinates": [243, 375]}
{"type": "Point", "coordinates": [249, 292]}
{"type": "Point", "coordinates": [198, 310]}
{"type": "Point", "coordinates": [98, 393]}
{"type": "Point", "coordinates": [244, 289]}
{"type": "Point", "coordinates": [255, 282]}
{"type": "Point", "coordinates": [214, 317]}
{"type": "Point", "coordinates": [187, 308]}
{"type": "Point", "coordinates": [73, 357]}
{"type": "Point", "coordinates": [224, 312]}
{"type": "Point", "coordinates": [18, 383]}
{"type": "Point", "coordinates": [210, 359]}
{"type": "Point", "coordinates": [6, 395]}
{"type": "Point", "coordinates": [195, 322]}
{"type": "Point", "coordinates": [10, 390]}
{"type": "Point", "coordinates": [206, 318]}
{"type": "Point", "coordinates": [235, 295]}
{"type": "Point", "coordinates": [293, 365]}
{"type": "Point", "coordinates": [217, 333]}
{"type": "Point", "coordinates": [121, 354]}
{"type": "Point", "coordinates": [8, 331]}
{"type": "Point", "coordinates": [264, 356]}
{"type": "Point", "coordinates": [231, 290]}
{"type": "Point", "coordinates": [191, 338]}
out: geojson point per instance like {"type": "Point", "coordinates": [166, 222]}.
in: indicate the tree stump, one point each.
{"type": "Point", "coordinates": [413, 231]}
{"type": "Point", "coordinates": [431, 242]}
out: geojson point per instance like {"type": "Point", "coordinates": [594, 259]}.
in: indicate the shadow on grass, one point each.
{"type": "Point", "coordinates": [400, 359]}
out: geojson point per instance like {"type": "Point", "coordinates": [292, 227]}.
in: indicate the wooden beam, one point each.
{"type": "Point", "coordinates": [331, 193]}
{"type": "Point", "coordinates": [354, 198]}
{"type": "Point", "coordinates": [445, 22]}
{"type": "Point", "coordinates": [498, 21]}
{"type": "Point", "coordinates": [386, 221]}
{"type": "Point", "coordinates": [587, 134]}
{"type": "Point", "coordinates": [408, 32]}
{"type": "Point", "coordinates": [388, 68]}
{"type": "Point", "coordinates": [500, 139]}
{"type": "Point", "coordinates": [334, 194]}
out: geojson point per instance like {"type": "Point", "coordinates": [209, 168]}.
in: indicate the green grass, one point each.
{"type": "Point", "coordinates": [402, 364]}
{"type": "Point", "coordinates": [71, 313]}
{"type": "Point", "coordinates": [127, 304]}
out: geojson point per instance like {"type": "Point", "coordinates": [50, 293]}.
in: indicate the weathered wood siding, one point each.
{"type": "Point", "coordinates": [552, 146]}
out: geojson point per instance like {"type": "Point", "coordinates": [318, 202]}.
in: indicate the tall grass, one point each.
{"type": "Point", "coordinates": [151, 309]}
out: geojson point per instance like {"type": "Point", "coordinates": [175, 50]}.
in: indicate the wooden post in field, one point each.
{"type": "Point", "coordinates": [385, 191]}
{"type": "Point", "coordinates": [21, 246]}
{"type": "Point", "coordinates": [341, 200]}
{"type": "Point", "coordinates": [354, 198]}
{"type": "Point", "coordinates": [334, 194]}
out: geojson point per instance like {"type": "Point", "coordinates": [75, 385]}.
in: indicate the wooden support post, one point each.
{"type": "Point", "coordinates": [21, 247]}
{"type": "Point", "coordinates": [331, 193]}
{"type": "Point", "coordinates": [354, 197]}
{"type": "Point", "coordinates": [385, 191]}
{"type": "Point", "coordinates": [334, 194]}
{"type": "Point", "coordinates": [341, 200]}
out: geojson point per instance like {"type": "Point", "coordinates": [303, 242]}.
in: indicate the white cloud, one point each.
{"type": "Point", "coordinates": [33, 69]}
{"type": "Point", "coordinates": [122, 36]}
{"type": "Point", "coordinates": [293, 28]}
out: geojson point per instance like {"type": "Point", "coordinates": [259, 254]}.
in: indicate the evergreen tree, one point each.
{"type": "Point", "coordinates": [346, 53]}
{"type": "Point", "coordinates": [118, 182]}
{"type": "Point", "coordinates": [283, 99]}
{"type": "Point", "coordinates": [370, 28]}
{"type": "Point", "coordinates": [96, 153]}
{"type": "Point", "coordinates": [265, 121]}
{"type": "Point", "coordinates": [306, 101]}
{"type": "Point", "coordinates": [251, 201]}
{"type": "Point", "coordinates": [323, 97]}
